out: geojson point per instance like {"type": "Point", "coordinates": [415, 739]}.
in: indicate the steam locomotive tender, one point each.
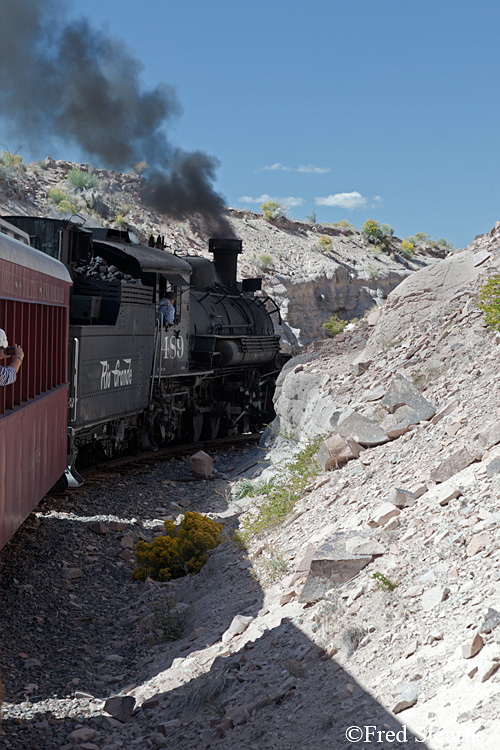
{"type": "Point", "coordinates": [136, 382]}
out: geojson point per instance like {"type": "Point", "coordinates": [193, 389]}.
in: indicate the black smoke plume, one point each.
{"type": "Point", "coordinates": [66, 82]}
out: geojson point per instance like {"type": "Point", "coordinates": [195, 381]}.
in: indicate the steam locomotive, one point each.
{"type": "Point", "coordinates": [136, 382]}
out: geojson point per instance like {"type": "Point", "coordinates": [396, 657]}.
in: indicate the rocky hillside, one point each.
{"type": "Point", "coordinates": [411, 506]}
{"type": "Point", "coordinates": [312, 271]}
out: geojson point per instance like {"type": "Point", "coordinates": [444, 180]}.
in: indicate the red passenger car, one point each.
{"type": "Point", "coordinates": [34, 312]}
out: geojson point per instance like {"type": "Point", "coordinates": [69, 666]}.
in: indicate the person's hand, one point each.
{"type": "Point", "coordinates": [18, 352]}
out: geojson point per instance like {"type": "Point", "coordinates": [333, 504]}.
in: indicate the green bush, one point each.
{"type": "Point", "coordinates": [334, 325]}
{"type": "Point", "coordinates": [280, 497]}
{"type": "Point", "coordinates": [489, 302]}
{"type": "Point", "coordinates": [11, 161]}
{"type": "Point", "coordinates": [82, 180]}
{"type": "Point", "coordinates": [66, 207]}
{"type": "Point", "coordinates": [373, 230]}
{"type": "Point", "coordinates": [273, 211]}
{"type": "Point", "coordinates": [387, 230]}
{"type": "Point", "coordinates": [444, 243]}
{"type": "Point", "coordinates": [184, 548]}
{"type": "Point", "coordinates": [266, 260]}
{"type": "Point", "coordinates": [383, 582]}
{"type": "Point", "coordinates": [344, 224]}
{"type": "Point", "coordinates": [407, 249]}
{"type": "Point", "coordinates": [57, 195]}
{"type": "Point", "coordinates": [165, 622]}
{"type": "Point", "coordinates": [325, 240]}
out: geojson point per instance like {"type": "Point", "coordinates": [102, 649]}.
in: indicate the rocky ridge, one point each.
{"type": "Point", "coordinates": [309, 279]}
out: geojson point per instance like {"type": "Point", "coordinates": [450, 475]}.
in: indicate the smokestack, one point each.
{"type": "Point", "coordinates": [225, 253]}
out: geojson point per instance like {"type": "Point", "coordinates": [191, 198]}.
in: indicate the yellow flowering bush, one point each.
{"type": "Point", "coordinates": [372, 230]}
{"type": "Point", "coordinates": [407, 248]}
{"type": "Point", "coordinates": [183, 549]}
{"type": "Point", "coordinates": [273, 211]}
{"type": "Point", "coordinates": [325, 240]}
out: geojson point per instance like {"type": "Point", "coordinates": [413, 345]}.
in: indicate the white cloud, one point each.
{"type": "Point", "coordinates": [307, 168]}
{"type": "Point", "coordinates": [289, 202]}
{"type": "Point", "coordinates": [278, 167]}
{"type": "Point", "coordinates": [349, 201]}
{"type": "Point", "coordinates": [248, 199]}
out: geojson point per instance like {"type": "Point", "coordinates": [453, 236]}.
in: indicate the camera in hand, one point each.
{"type": "Point", "coordinates": [9, 350]}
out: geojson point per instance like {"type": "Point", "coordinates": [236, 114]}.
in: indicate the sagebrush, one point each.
{"type": "Point", "coordinates": [182, 550]}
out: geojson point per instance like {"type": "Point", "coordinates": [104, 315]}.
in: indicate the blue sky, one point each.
{"type": "Point", "coordinates": [354, 110]}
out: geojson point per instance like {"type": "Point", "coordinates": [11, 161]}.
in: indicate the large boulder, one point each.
{"type": "Point", "coordinates": [403, 393]}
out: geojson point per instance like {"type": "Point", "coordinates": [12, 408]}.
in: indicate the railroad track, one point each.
{"type": "Point", "coordinates": [128, 464]}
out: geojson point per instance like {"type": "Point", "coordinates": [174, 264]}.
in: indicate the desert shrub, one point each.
{"type": "Point", "coordinates": [279, 498]}
{"type": "Point", "coordinates": [383, 582]}
{"type": "Point", "coordinates": [66, 206]}
{"type": "Point", "coordinates": [344, 224]}
{"type": "Point", "coordinates": [247, 488]}
{"type": "Point", "coordinates": [119, 219]}
{"type": "Point", "coordinates": [387, 230]}
{"type": "Point", "coordinates": [373, 271]}
{"type": "Point", "coordinates": [407, 249]}
{"type": "Point", "coordinates": [444, 243]}
{"type": "Point", "coordinates": [489, 302]}
{"type": "Point", "coordinates": [11, 161]}
{"type": "Point", "coordinates": [182, 550]}
{"type": "Point", "coordinates": [325, 240]}
{"type": "Point", "coordinates": [140, 167]}
{"type": "Point", "coordinates": [422, 237]}
{"type": "Point", "coordinates": [270, 566]}
{"type": "Point", "coordinates": [373, 230]}
{"type": "Point", "coordinates": [165, 622]}
{"type": "Point", "coordinates": [352, 637]}
{"type": "Point", "coordinates": [311, 218]}
{"type": "Point", "coordinates": [57, 195]}
{"type": "Point", "coordinates": [266, 259]}
{"type": "Point", "coordinates": [82, 180]}
{"type": "Point", "coordinates": [334, 325]}
{"type": "Point", "coordinates": [273, 211]}
{"type": "Point", "coordinates": [294, 668]}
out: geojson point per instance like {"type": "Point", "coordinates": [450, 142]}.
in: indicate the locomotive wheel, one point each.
{"type": "Point", "coordinates": [211, 427]}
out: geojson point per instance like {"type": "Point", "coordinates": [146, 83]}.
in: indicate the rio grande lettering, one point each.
{"type": "Point", "coordinates": [120, 376]}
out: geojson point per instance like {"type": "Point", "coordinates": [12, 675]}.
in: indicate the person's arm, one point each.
{"type": "Point", "coordinates": [18, 359]}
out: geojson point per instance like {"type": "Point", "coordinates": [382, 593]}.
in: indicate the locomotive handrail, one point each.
{"type": "Point", "coordinates": [157, 331]}
{"type": "Point", "coordinates": [276, 308]}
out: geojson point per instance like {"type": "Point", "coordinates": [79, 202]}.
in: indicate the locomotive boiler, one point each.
{"type": "Point", "coordinates": [136, 382]}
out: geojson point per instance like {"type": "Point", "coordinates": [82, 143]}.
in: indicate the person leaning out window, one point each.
{"type": "Point", "coordinates": [8, 374]}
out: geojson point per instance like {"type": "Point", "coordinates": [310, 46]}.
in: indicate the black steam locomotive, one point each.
{"type": "Point", "coordinates": [137, 382]}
